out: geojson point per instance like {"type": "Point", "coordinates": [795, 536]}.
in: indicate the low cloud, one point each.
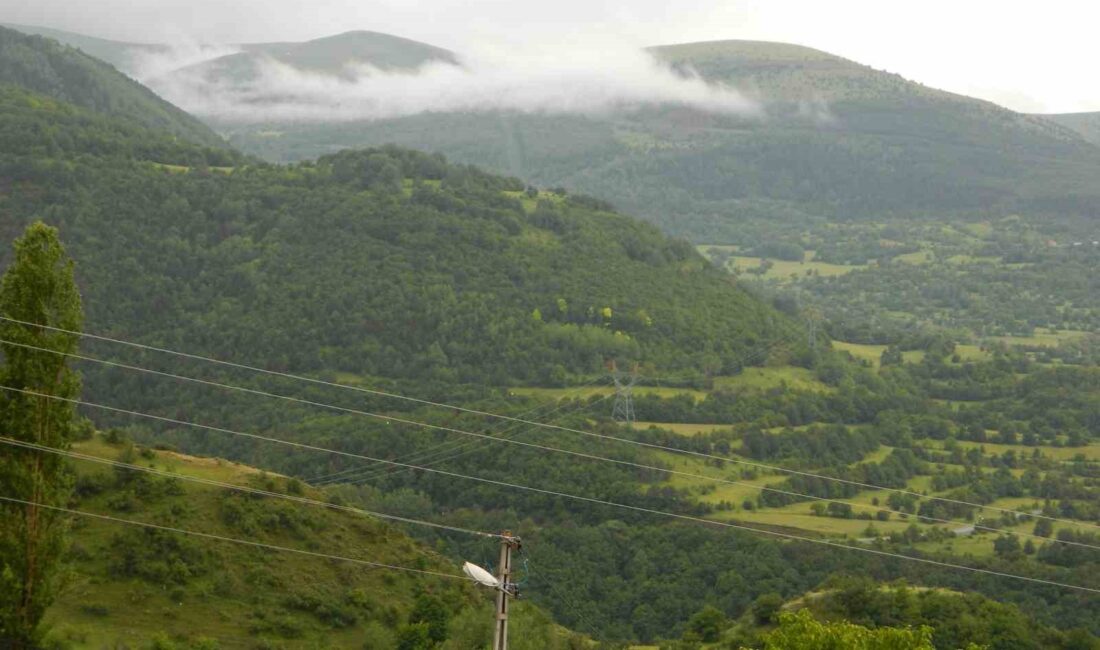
{"type": "Point", "coordinates": [589, 83]}
{"type": "Point", "coordinates": [161, 62]}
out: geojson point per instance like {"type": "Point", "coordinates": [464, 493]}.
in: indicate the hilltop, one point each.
{"type": "Point", "coordinates": [837, 140]}
{"type": "Point", "coordinates": [330, 56]}
{"type": "Point", "coordinates": [42, 65]}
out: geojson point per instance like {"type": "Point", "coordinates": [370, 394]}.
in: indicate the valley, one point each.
{"type": "Point", "coordinates": [838, 377]}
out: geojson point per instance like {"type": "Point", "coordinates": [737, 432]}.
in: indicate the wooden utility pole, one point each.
{"type": "Point", "coordinates": [507, 589]}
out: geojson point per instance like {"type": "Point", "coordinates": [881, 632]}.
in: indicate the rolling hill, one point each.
{"type": "Point", "coordinates": [328, 56]}
{"type": "Point", "coordinates": [840, 140]}
{"type": "Point", "coordinates": [43, 66]}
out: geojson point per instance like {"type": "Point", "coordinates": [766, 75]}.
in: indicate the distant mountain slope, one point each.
{"type": "Point", "coordinates": [120, 54]}
{"type": "Point", "coordinates": [839, 140]}
{"type": "Point", "coordinates": [44, 66]}
{"type": "Point", "coordinates": [1085, 124]}
{"type": "Point", "coordinates": [329, 56]}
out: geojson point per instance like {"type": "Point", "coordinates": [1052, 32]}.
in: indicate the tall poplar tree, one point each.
{"type": "Point", "coordinates": [38, 287]}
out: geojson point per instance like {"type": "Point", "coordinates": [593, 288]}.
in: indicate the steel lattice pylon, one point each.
{"type": "Point", "coordinates": [623, 411]}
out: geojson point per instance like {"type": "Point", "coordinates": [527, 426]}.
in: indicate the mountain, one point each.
{"type": "Point", "coordinates": [1085, 124]}
{"type": "Point", "coordinates": [381, 262]}
{"type": "Point", "coordinates": [136, 587]}
{"type": "Point", "coordinates": [329, 56]}
{"type": "Point", "coordinates": [120, 54]}
{"type": "Point", "coordinates": [44, 66]}
{"type": "Point", "coordinates": [837, 140]}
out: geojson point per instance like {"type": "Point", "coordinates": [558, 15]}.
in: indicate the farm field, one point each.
{"type": "Point", "coordinates": [873, 353]}
{"type": "Point", "coordinates": [682, 428]}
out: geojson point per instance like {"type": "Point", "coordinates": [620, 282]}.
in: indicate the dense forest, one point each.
{"type": "Point", "coordinates": [427, 268]}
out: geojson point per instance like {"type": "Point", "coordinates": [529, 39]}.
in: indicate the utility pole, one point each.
{"type": "Point", "coordinates": [507, 588]}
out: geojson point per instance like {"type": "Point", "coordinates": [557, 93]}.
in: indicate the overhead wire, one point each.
{"type": "Point", "coordinates": [234, 540]}
{"type": "Point", "coordinates": [476, 444]}
{"type": "Point", "coordinates": [11, 442]}
{"type": "Point", "coordinates": [434, 452]}
{"type": "Point", "coordinates": [408, 466]}
{"type": "Point", "coordinates": [604, 502]}
{"type": "Point", "coordinates": [390, 418]}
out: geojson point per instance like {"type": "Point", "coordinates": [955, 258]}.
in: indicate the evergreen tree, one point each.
{"type": "Point", "coordinates": [38, 287]}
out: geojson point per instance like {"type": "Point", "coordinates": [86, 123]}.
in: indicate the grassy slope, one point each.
{"type": "Point", "coordinates": [237, 595]}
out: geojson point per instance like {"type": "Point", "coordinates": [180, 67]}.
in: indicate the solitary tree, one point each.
{"type": "Point", "coordinates": [37, 288]}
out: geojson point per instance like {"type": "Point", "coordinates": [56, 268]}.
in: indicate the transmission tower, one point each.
{"type": "Point", "coordinates": [812, 317]}
{"type": "Point", "coordinates": [623, 410]}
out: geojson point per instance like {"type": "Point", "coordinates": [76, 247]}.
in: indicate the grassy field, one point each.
{"type": "Point", "coordinates": [781, 269]}
{"type": "Point", "coordinates": [792, 377]}
{"type": "Point", "coordinates": [682, 428]}
{"type": "Point", "coordinates": [1090, 452]}
{"type": "Point", "coordinates": [1051, 339]}
{"type": "Point", "coordinates": [873, 353]}
{"type": "Point", "coordinates": [589, 391]}
{"type": "Point", "coordinates": [129, 586]}
{"type": "Point", "coordinates": [745, 485]}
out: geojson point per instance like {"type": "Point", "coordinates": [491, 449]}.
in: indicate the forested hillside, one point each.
{"type": "Point", "coordinates": [379, 262]}
{"type": "Point", "coordinates": [836, 140]}
{"type": "Point", "coordinates": [44, 66]}
{"type": "Point", "coordinates": [832, 139]}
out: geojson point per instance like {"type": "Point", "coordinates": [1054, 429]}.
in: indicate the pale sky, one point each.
{"type": "Point", "coordinates": [1030, 56]}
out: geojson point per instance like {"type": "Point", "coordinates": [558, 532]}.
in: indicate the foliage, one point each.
{"type": "Point", "coordinates": [37, 287]}
{"type": "Point", "coordinates": [801, 632]}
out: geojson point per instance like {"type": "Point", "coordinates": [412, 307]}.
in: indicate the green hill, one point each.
{"type": "Point", "coordinates": [44, 66]}
{"type": "Point", "coordinates": [379, 262]}
{"type": "Point", "coordinates": [838, 140]}
{"type": "Point", "coordinates": [1085, 124]}
{"type": "Point", "coordinates": [140, 588]}
{"type": "Point", "coordinates": [955, 620]}
{"type": "Point", "coordinates": [328, 55]}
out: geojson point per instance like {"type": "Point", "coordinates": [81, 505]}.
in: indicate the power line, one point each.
{"type": "Point", "coordinates": [578, 454]}
{"type": "Point", "coordinates": [604, 502]}
{"type": "Point", "coordinates": [434, 452]}
{"type": "Point", "coordinates": [240, 488]}
{"type": "Point", "coordinates": [476, 445]}
{"type": "Point", "coordinates": [220, 538]}
{"type": "Point", "coordinates": [601, 436]}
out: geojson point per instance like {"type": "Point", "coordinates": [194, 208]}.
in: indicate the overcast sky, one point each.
{"type": "Point", "coordinates": [1030, 56]}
